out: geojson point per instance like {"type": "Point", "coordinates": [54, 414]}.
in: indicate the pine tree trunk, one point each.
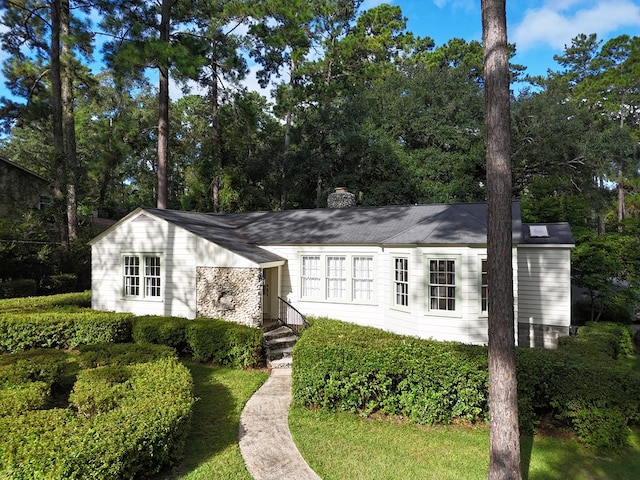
{"type": "Point", "coordinates": [504, 437]}
{"type": "Point", "coordinates": [68, 121]}
{"type": "Point", "coordinates": [163, 111]}
{"type": "Point", "coordinates": [216, 150]}
{"type": "Point", "coordinates": [56, 106]}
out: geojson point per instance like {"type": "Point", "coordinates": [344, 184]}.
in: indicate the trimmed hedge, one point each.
{"type": "Point", "coordinates": [58, 284]}
{"type": "Point", "coordinates": [18, 288]}
{"type": "Point", "coordinates": [62, 329]}
{"type": "Point", "coordinates": [360, 369]}
{"type": "Point", "coordinates": [609, 339]}
{"type": "Point", "coordinates": [38, 304]}
{"type": "Point", "coordinates": [170, 331]}
{"type": "Point", "coordinates": [224, 343]}
{"type": "Point", "coordinates": [124, 421]}
{"type": "Point", "coordinates": [205, 339]}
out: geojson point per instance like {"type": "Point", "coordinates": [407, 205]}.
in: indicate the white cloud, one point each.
{"type": "Point", "coordinates": [559, 21]}
{"type": "Point", "coordinates": [466, 5]}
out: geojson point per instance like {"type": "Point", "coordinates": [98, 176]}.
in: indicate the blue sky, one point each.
{"type": "Point", "coordinates": [539, 28]}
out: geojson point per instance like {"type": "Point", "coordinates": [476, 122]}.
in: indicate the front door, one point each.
{"type": "Point", "coordinates": [270, 292]}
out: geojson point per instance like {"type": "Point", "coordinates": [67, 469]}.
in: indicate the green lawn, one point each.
{"type": "Point", "coordinates": [344, 446]}
{"type": "Point", "coordinates": [212, 450]}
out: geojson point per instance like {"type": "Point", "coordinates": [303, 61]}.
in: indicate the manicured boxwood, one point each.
{"type": "Point", "coordinates": [58, 284]}
{"type": "Point", "coordinates": [38, 304]}
{"type": "Point", "coordinates": [119, 354]}
{"type": "Point", "coordinates": [343, 366]}
{"type": "Point", "coordinates": [62, 329]}
{"type": "Point", "coordinates": [360, 369]}
{"type": "Point", "coordinates": [156, 330]}
{"type": "Point", "coordinates": [610, 339]}
{"type": "Point", "coordinates": [18, 288]}
{"type": "Point", "coordinates": [124, 421]}
{"type": "Point", "coordinates": [224, 343]}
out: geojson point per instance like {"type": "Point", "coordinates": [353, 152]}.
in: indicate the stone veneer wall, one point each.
{"type": "Point", "coordinates": [233, 294]}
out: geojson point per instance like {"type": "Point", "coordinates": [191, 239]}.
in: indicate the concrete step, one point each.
{"type": "Point", "coordinates": [269, 324]}
{"type": "Point", "coordinates": [280, 363]}
{"type": "Point", "coordinates": [277, 353]}
{"type": "Point", "coordinates": [279, 332]}
{"type": "Point", "coordinates": [281, 342]}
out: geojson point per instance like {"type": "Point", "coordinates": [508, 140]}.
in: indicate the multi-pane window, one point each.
{"type": "Point", "coordinates": [336, 277]}
{"type": "Point", "coordinates": [484, 286]}
{"type": "Point", "coordinates": [362, 278]}
{"type": "Point", "coordinates": [131, 276]}
{"type": "Point", "coordinates": [401, 282]}
{"type": "Point", "coordinates": [311, 276]}
{"type": "Point", "coordinates": [142, 276]}
{"type": "Point", "coordinates": [152, 276]}
{"type": "Point", "coordinates": [442, 284]}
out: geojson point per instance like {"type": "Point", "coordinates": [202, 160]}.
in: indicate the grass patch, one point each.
{"type": "Point", "coordinates": [339, 445]}
{"type": "Point", "coordinates": [212, 450]}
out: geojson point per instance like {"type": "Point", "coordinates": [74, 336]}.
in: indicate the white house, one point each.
{"type": "Point", "coordinates": [416, 270]}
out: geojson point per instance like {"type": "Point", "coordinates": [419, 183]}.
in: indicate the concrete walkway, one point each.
{"type": "Point", "coordinates": [265, 441]}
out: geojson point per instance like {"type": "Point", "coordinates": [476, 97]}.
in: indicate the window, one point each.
{"type": "Point", "coordinates": [401, 282]}
{"type": "Point", "coordinates": [336, 277]}
{"type": "Point", "coordinates": [442, 284]}
{"type": "Point", "coordinates": [311, 276]}
{"type": "Point", "coordinates": [362, 280]}
{"type": "Point", "coordinates": [484, 286]}
{"type": "Point", "coordinates": [152, 276]}
{"type": "Point", "coordinates": [131, 276]}
{"type": "Point", "coordinates": [149, 277]}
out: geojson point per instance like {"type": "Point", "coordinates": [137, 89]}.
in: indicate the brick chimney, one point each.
{"type": "Point", "coordinates": [341, 198]}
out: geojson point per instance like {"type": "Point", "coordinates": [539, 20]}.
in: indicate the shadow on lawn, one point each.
{"type": "Point", "coordinates": [568, 460]}
{"type": "Point", "coordinates": [214, 425]}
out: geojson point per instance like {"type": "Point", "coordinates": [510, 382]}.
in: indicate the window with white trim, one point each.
{"type": "Point", "coordinates": [142, 276]}
{"type": "Point", "coordinates": [131, 276]}
{"type": "Point", "coordinates": [362, 278]}
{"type": "Point", "coordinates": [311, 276]}
{"type": "Point", "coordinates": [152, 276]}
{"type": "Point", "coordinates": [401, 282]}
{"type": "Point", "coordinates": [336, 277]}
{"type": "Point", "coordinates": [484, 286]}
{"type": "Point", "coordinates": [442, 284]}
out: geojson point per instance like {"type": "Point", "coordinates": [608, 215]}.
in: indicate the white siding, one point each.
{"type": "Point", "coordinates": [544, 300]}
{"type": "Point", "coordinates": [544, 281]}
{"type": "Point", "coordinates": [368, 314]}
{"type": "Point", "coordinates": [465, 325]}
{"type": "Point", "coordinates": [180, 253]}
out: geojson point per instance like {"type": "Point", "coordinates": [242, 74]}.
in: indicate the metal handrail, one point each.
{"type": "Point", "coordinates": [291, 317]}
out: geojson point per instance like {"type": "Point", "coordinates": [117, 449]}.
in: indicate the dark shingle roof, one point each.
{"type": "Point", "coordinates": [440, 224]}
{"type": "Point", "coordinates": [557, 234]}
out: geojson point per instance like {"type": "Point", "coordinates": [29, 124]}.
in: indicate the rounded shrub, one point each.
{"type": "Point", "coordinates": [170, 331]}
{"type": "Point", "coordinates": [125, 421]}
{"type": "Point", "coordinates": [224, 343]}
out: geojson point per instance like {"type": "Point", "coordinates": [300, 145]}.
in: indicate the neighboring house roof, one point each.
{"type": "Point", "coordinates": [24, 169]}
{"type": "Point", "coordinates": [241, 233]}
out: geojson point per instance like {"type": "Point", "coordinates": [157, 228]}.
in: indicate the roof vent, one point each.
{"type": "Point", "coordinates": [538, 231]}
{"type": "Point", "coordinates": [341, 198]}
